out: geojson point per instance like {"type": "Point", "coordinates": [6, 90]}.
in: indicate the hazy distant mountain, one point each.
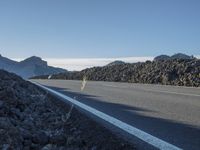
{"type": "Point", "coordinates": [29, 67]}
{"type": "Point", "coordinates": [117, 62]}
{"type": "Point", "coordinates": [181, 56]}
{"type": "Point", "coordinates": [162, 57]}
{"type": "Point", "coordinates": [175, 56]}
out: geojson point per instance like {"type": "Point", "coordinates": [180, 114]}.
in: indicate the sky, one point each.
{"type": "Point", "coordinates": [98, 29]}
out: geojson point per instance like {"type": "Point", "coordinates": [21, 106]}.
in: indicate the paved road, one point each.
{"type": "Point", "coordinates": [167, 112]}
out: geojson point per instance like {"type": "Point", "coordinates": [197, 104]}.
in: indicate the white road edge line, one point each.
{"type": "Point", "coordinates": [146, 137]}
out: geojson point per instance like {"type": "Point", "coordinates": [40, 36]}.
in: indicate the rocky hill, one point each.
{"type": "Point", "coordinates": [175, 56]}
{"type": "Point", "coordinates": [182, 72]}
{"type": "Point", "coordinates": [117, 62]}
{"type": "Point", "coordinates": [29, 67]}
{"type": "Point", "coordinates": [30, 118]}
{"type": "Point", "coordinates": [162, 57]}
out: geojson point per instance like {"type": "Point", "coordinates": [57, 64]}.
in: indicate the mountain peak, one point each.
{"type": "Point", "coordinates": [34, 60]}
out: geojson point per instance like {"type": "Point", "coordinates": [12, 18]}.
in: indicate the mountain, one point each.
{"type": "Point", "coordinates": [181, 56]}
{"type": "Point", "coordinates": [32, 66]}
{"type": "Point", "coordinates": [175, 56]}
{"type": "Point", "coordinates": [117, 62]}
{"type": "Point", "coordinates": [162, 57]}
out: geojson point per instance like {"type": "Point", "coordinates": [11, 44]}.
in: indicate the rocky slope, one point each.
{"type": "Point", "coordinates": [29, 67]}
{"type": "Point", "coordinates": [31, 118]}
{"type": "Point", "coordinates": [175, 56]}
{"type": "Point", "coordinates": [182, 72]}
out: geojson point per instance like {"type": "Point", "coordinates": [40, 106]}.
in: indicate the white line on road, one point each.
{"type": "Point", "coordinates": [146, 137]}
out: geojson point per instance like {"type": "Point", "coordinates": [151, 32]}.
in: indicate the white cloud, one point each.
{"type": "Point", "coordinates": [82, 63]}
{"type": "Point", "coordinates": [197, 56]}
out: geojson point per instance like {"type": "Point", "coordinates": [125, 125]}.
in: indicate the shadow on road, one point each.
{"type": "Point", "coordinates": [179, 134]}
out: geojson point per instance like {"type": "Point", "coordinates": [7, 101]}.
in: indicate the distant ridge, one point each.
{"type": "Point", "coordinates": [175, 56]}
{"type": "Point", "coordinates": [32, 66]}
{"type": "Point", "coordinates": [117, 62]}
{"type": "Point", "coordinates": [162, 57]}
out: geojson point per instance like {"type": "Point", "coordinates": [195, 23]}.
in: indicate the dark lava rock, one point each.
{"type": "Point", "coordinates": [180, 71]}
{"type": "Point", "coordinates": [60, 138]}
{"type": "Point", "coordinates": [5, 123]}
{"type": "Point", "coordinates": [40, 138]}
{"type": "Point", "coordinates": [1, 104]}
{"type": "Point", "coordinates": [30, 118]}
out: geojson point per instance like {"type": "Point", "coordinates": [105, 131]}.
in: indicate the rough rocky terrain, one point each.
{"type": "Point", "coordinates": [181, 72]}
{"type": "Point", "coordinates": [31, 118]}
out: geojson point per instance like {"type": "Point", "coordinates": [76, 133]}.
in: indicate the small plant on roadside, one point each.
{"type": "Point", "coordinates": [65, 117]}
{"type": "Point", "coordinates": [84, 81]}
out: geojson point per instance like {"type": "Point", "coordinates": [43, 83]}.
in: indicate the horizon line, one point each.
{"type": "Point", "coordinates": [77, 64]}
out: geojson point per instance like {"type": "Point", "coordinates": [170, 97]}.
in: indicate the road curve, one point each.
{"type": "Point", "coordinates": [166, 112]}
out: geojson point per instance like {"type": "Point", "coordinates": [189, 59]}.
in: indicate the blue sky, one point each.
{"type": "Point", "coordinates": [98, 28]}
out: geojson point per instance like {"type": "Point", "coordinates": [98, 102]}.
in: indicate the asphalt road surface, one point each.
{"type": "Point", "coordinates": [169, 113]}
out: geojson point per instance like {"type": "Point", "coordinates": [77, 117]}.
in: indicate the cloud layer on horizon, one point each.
{"type": "Point", "coordinates": [78, 64]}
{"type": "Point", "coordinates": [82, 63]}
